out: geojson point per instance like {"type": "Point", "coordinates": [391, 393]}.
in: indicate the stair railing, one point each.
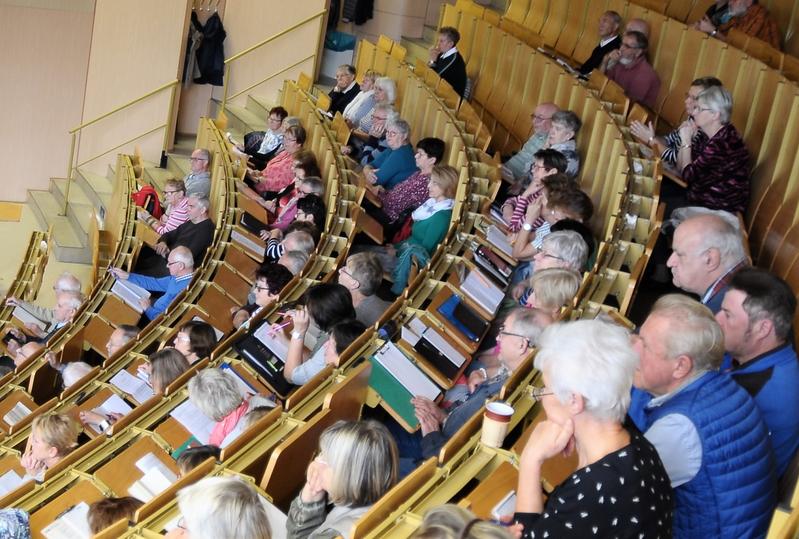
{"type": "Point", "coordinates": [229, 62]}
{"type": "Point", "coordinates": [171, 87]}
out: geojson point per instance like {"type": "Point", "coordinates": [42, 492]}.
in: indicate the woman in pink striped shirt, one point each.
{"type": "Point", "coordinates": [176, 214]}
{"type": "Point", "coordinates": [545, 163]}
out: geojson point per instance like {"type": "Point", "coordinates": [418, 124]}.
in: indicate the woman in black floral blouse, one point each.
{"type": "Point", "coordinates": [620, 488]}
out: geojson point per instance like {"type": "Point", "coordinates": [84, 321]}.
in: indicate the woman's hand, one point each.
{"type": "Point", "coordinates": [518, 290]}
{"type": "Point", "coordinates": [33, 466]}
{"type": "Point", "coordinates": [301, 320]}
{"type": "Point", "coordinates": [314, 490]}
{"type": "Point", "coordinates": [533, 211]}
{"type": "Point", "coordinates": [642, 132]}
{"type": "Point", "coordinates": [687, 131]}
{"type": "Point", "coordinates": [706, 26]}
{"type": "Point", "coordinates": [91, 418]}
{"type": "Point", "coordinates": [547, 440]}
{"type": "Point", "coordinates": [476, 379]}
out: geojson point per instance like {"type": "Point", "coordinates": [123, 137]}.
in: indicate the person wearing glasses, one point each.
{"type": "Point", "coordinates": [195, 340]}
{"type": "Point", "coordinates": [717, 167]}
{"type": "Point", "coordinates": [198, 181]}
{"type": "Point", "coordinates": [345, 89]}
{"type": "Point", "coordinates": [176, 213]}
{"type": "Point", "coordinates": [395, 163]}
{"type": "Point", "coordinates": [362, 274]}
{"type": "Point", "coordinates": [279, 172]}
{"type": "Point", "coordinates": [180, 264]}
{"type": "Point", "coordinates": [516, 339]}
{"type": "Point", "coordinates": [517, 167]}
{"type": "Point", "coordinates": [269, 281]}
{"type": "Point", "coordinates": [66, 282]}
{"type": "Point", "coordinates": [620, 482]}
{"type": "Point", "coordinates": [629, 67]}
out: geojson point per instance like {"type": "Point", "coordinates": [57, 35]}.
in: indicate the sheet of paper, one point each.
{"type": "Point", "coordinates": [152, 483]}
{"type": "Point", "coordinates": [16, 414]}
{"type": "Point", "coordinates": [499, 240]}
{"type": "Point", "coordinates": [128, 293]}
{"type": "Point", "coordinates": [434, 338]}
{"type": "Point", "coordinates": [114, 405]}
{"type": "Point", "coordinates": [241, 239]}
{"type": "Point", "coordinates": [194, 421]}
{"type": "Point", "coordinates": [132, 385]}
{"type": "Point", "coordinates": [26, 317]}
{"type": "Point", "coordinates": [506, 506]}
{"type": "Point", "coordinates": [480, 289]}
{"type": "Point", "coordinates": [244, 388]}
{"type": "Point", "coordinates": [9, 481]}
{"type": "Point", "coordinates": [72, 525]}
{"type": "Point", "coordinates": [406, 373]}
{"type": "Point", "coordinates": [278, 346]}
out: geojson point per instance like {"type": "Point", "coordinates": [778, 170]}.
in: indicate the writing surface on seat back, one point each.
{"type": "Point", "coordinates": [400, 494]}
{"type": "Point", "coordinates": [285, 472]}
{"type": "Point", "coordinates": [117, 529]}
{"type": "Point", "coordinates": [232, 283]}
{"type": "Point", "coordinates": [82, 490]}
{"type": "Point", "coordinates": [347, 397]}
{"type": "Point", "coordinates": [73, 457]}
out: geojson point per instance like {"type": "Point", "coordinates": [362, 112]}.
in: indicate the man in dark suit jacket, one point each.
{"type": "Point", "coordinates": [447, 61]}
{"type": "Point", "coordinates": [345, 89]}
{"type": "Point", "coordinates": [609, 40]}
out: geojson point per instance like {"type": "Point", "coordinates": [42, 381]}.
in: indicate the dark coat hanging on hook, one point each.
{"type": "Point", "coordinates": [211, 54]}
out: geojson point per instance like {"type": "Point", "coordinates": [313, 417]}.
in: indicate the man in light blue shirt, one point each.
{"type": "Point", "coordinates": [180, 264]}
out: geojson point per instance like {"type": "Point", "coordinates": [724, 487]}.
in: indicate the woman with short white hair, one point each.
{"type": "Point", "coordinates": [221, 508]}
{"type": "Point", "coordinates": [356, 466]}
{"type": "Point", "coordinates": [716, 168]}
{"type": "Point", "coordinates": [217, 396]}
{"type": "Point", "coordinates": [562, 249]}
{"type": "Point", "coordinates": [620, 483]}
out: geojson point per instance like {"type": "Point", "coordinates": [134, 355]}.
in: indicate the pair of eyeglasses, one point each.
{"type": "Point", "coordinates": [538, 392]}
{"type": "Point", "coordinates": [540, 250]}
{"type": "Point", "coordinates": [541, 118]}
{"type": "Point", "coordinates": [171, 192]}
{"type": "Point", "coordinates": [503, 332]}
{"type": "Point", "coordinates": [197, 159]}
{"type": "Point", "coordinates": [392, 133]}
{"type": "Point", "coordinates": [261, 288]}
{"type": "Point", "coordinates": [173, 262]}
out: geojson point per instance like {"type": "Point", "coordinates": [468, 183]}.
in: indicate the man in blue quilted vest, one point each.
{"type": "Point", "coordinates": [707, 429]}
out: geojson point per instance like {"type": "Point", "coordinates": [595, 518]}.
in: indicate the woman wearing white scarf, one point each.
{"type": "Point", "coordinates": [363, 101]}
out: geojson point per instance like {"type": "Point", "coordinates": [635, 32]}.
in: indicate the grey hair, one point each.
{"type": "Point", "coordinates": [400, 126]}
{"type": "Point", "coordinates": [693, 331]}
{"type": "Point", "coordinates": [615, 17]}
{"type": "Point", "coordinates": [295, 260]}
{"type": "Point", "coordinates": [202, 200]}
{"type": "Point", "coordinates": [205, 153]}
{"type": "Point", "coordinates": [527, 324]}
{"type": "Point", "coordinates": [223, 508]}
{"type": "Point", "coordinates": [388, 86]}
{"type": "Point", "coordinates": [67, 282]}
{"type": "Point", "coordinates": [74, 299]}
{"type": "Point", "coordinates": [590, 358]}
{"type": "Point", "coordinates": [718, 233]}
{"type": "Point", "coordinates": [183, 255]}
{"type": "Point", "coordinates": [569, 246]}
{"type": "Point", "coordinates": [717, 99]}
{"type": "Point", "coordinates": [568, 119]}
{"type": "Point", "coordinates": [214, 393]}
{"type": "Point", "coordinates": [301, 240]}
{"type": "Point", "coordinates": [74, 371]}
{"type": "Point", "coordinates": [348, 68]}
{"type": "Point", "coordinates": [367, 270]}
{"type": "Point", "coordinates": [681, 214]}
{"type": "Point", "coordinates": [289, 121]}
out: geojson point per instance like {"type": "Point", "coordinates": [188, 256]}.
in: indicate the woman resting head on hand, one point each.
{"type": "Point", "coordinates": [53, 436]}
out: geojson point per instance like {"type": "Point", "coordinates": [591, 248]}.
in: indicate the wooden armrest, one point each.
{"type": "Point", "coordinates": [673, 176]}
{"type": "Point", "coordinates": [369, 225]}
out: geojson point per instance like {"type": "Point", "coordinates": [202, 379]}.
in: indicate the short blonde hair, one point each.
{"type": "Point", "coordinates": [554, 287]}
{"type": "Point", "coordinates": [57, 430]}
{"type": "Point", "coordinates": [446, 178]}
{"type": "Point", "coordinates": [363, 458]}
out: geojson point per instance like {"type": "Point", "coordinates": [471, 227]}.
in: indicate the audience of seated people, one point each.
{"type": "Point", "coordinates": [362, 274]}
{"type": "Point", "coordinates": [609, 40]}
{"type": "Point", "coordinates": [549, 290]}
{"type": "Point", "coordinates": [345, 89]}
{"type": "Point", "coordinates": [299, 236]}
{"type": "Point", "coordinates": [385, 93]}
{"type": "Point", "coordinates": [300, 371]}
{"type": "Point", "coordinates": [364, 146]}
{"type": "Point", "coordinates": [357, 464]}
{"type": "Point", "coordinates": [756, 317]}
{"type": "Point", "coordinates": [707, 250]}
{"type": "Point", "coordinates": [629, 67]}
{"type": "Point", "coordinates": [180, 265]}
{"type": "Point", "coordinates": [446, 60]}
{"type": "Point", "coordinates": [217, 395]}
{"type": "Point", "coordinates": [561, 137]}
{"type": "Point", "coordinates": [587, 370]}
{"type": "Point", "coordinates": [196, 234]}
{"type": "Point", "coordinates": [279, 171]}
{"type": "Point", "coordinates": [747, 16]}
{"type": "Point", "coordinates": [73, 370]}
{"type": "Point", "coordinates": [303, 166]}
{"type": "Point", "coordinates": [52, 437]}
{"type": "Point", "coordinates": [262, 146]}
{"type": "Point", "coordinates": [287, 213]}
{"type": "Point", "coordinates": [517, 168]}
{"type": "Point", "coordinates": [450, 521]}
{"type": "Point", "coordinates": [705, 427]}
{"type": "Point", "coordinates": [66, 282]}
{"type": "Point", "coordinates": [195, 340]}
{"type": "Point", "coordinates": [221, 508]}
{"type": "Point", "coordinates": [198, 180]}
{"type": "Point", "coordinates": [177, 211]}
{"type": "Point", "coordinates": [363, 102]}
{"type": "Point", "coordinates": [395, 163]}
{"type": "Point", "coordinates": [164, 367]}
{"type": "Point", "coordinates": [194, 456]}
{"type": "Point", "coordinates": [545, 163]}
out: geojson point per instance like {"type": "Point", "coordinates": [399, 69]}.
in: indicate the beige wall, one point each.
{"type": "Point", "coordinates": [45, 47]}
{"type": "Point", "coordinates": [397, 18]}
{"type": "Point", "coordinates": [136, 47]}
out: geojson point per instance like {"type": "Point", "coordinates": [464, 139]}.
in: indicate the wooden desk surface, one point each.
{"type": "Point", "coordinates": [121, 472]}
{"type": "Point", "coordinates": [7, 403]}
{"type": "Point", "coordinates": [88, 405]}
{"type": "Point", "coordinates": [11, 462]}
{"type": "Point", "coordinates": [433, 318]}
{"type": "Point", "coordinates": [172, 432]}
{"type": "Point", "coordinates": [492, 489]}
{"type": "Point", "coordinates": [82, 491]}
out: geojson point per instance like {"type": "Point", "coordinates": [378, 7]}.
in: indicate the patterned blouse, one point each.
{"type": "Point", "coordinates": [279, 173]}
{"type": "Point", "coordinates": [519, 204]}
{"type": "Point", "coordinates": [625, 494]}
{"type": "Point", "coordinates": [718, 176]}
{"type": "Point", "coordinates": [407, 194]}
{"type": "Point", "coordinates": [756, 22]}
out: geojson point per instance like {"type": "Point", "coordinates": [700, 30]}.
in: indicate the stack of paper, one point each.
{"type": "Point", "coordinates": [482, 291]}
{"type": "Point", "coordinates": [194, 421]}
{"type": "Point", "coordinates": [156, 479]}
{"type": "Point", "coordinates": [244, 241]}
{"type": "Point", "coordinates": [73, 524]}
{"type": "Point", "coordinates": [277, 345]}
{"type": "Point", "coordinates": [16, 414]}
{"type": "Point", "coordinates": [112, 405]}
{"type": "Point", "coordinates": [412, 331]}
{"type": "Point", "coordinates": [9, 481]}
{"type": "Point", "coordinates": [133, 386]}
{"type": "Point", "coordinates": [130, 294]}
{"type": "Point", "coordinates": [505, 507]}
{"type": "Point", "coordinates": [499, 240]}
{"type": "Point", "coordinates": [27, 317]}
{"type": "Point", "coordinates": [406, 373]}
{"type": "Point", "coordinates": [434, 338]}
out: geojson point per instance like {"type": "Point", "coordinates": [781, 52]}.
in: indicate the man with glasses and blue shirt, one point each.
{"type": "Point", "coordinates": [181, 268]}
{"type": "Point", "coordinates": [629, 67]}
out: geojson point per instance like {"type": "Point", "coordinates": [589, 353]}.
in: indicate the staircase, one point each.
{"type": "Point", "coordinates": [419, 47]}
{"type": "Point", "coordinates": [91, 192]}
{"type": "Point", "coordinates": [250, 117]}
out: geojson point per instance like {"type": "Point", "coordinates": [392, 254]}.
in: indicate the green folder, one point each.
{"type": "Point", "coordinates": [393, 393]}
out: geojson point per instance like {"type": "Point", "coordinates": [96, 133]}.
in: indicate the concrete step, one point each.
{"type": "Point", "coordinates": [178, 165]}
{"type": "Point", "coordinates": [96, 187]}
{"type": "Point", "coordinates": [184, 144]}
{"type": "Point", "coordinates": [80, 208]}
{"type": "Point", "coordinates": [157, 177]}
{"type": "Point", "coordinates": [243, 120]}
{"type": "Point", "coordinates": [69, 245]}
{"type": "Point", "coordinates": [418, 49]}
{"type": "Point", "coordinates": [429, 34]}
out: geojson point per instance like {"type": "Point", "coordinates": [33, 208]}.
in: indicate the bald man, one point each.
{"type": "Point", "coordinates": [517, 167]}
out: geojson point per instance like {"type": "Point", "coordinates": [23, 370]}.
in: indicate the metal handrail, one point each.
{"type": "Point", "coordinates": [258, 45]}
{"type": "Point", "coordinates": [76, 130]}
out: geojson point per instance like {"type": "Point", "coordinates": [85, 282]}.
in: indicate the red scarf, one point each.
{"type": "Point", "coordinates": [228, 423]}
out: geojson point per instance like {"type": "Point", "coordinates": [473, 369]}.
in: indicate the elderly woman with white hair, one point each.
{"type": "Point", "coordinates": [356, 466]}
{"type": "Point", "coordinates": [221, 508]}
{"type": "Point", "coordinates": [588, 368]}
{"type": "Point", "coordinates": [385, 93]}
{"type": "Point", "coordinates": [218, 397]}
{"type": "Point", "coordinates": [395, 163]}
{"type": "Point", "coordinates": [716, 168]}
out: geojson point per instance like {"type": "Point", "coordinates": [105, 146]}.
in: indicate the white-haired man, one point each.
{"type": "Point", "coordinates": [707, 251]}
{"type": "Point", "coordinates": [181, 268]}
{"type": "Point", "coordinates": [66, 282]}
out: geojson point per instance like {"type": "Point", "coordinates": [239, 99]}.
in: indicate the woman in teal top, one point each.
{"type": "Point", "coordinates": [431, 221]}
{"type": "Point", "coordinates": [394, 164]}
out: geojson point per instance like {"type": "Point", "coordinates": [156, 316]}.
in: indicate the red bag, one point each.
{"type": "Point", "coordinates": [404, 232]}
{"type": "Point", "coordinates": [147, 198]}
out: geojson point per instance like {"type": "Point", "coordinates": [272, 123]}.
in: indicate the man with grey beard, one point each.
{"type": "Point", "coordinates": [629, 68]}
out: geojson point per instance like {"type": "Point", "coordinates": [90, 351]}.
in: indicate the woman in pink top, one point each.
{"type": "Point", "coordinates": [279, 172]}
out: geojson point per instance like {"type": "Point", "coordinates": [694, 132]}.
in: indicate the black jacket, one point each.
{"type": "Point", "coordinates": [211, 54]}
{"type": "Point", "coordinates": [340, 100]}
{"type": "Point", "coordinates": [453, 70]}
{"type": "Point", "coordinates": [598, 54]}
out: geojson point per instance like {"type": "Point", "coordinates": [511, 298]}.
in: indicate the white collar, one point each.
{"type": "Point", "coordinates": [449, 53]}
{"type": "Point", "coordinates": [607, 40]}
{"type": "Point", "coordinates": [348, 88]}
{"type": "Point", "coordinates": [662, 399]}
